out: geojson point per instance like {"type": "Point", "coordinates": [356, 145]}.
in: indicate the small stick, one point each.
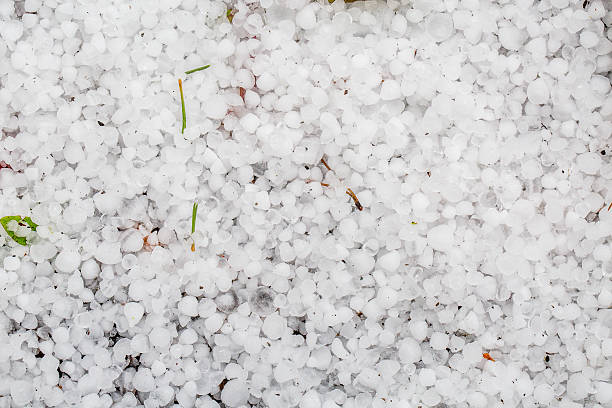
{"type": "Point", "coordinates": [322, 183]}
{"type": "Point", "coordinates": [191, 71]}
{"type": "Point", "coordinates": [602, 207]}
{"type": "Point", "coordinates": [182, 106]}
{"type": "Point", "coordinates": [354, 197]}
{"type": "Point", "coordinates": [610, 206]}
{"type": "Point", "coordinates": [325, 164]}
{"type": "Point", "coordinates": [348, 190]}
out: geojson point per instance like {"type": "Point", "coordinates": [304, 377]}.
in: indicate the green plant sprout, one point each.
{"type": "Point", "coordinates": [182, 106]}
{"type": "Point", "coordinates": [194, 215]}
{"type": "Point", "coordinates": [4, 221]}
{"type": "Point", "coordinates": [230, 15]}
{"type": "Point", "coordinates": [191, 71]}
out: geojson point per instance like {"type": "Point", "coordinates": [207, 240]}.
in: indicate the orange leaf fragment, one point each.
{"type": "Point", "coordinates": [487, 356]}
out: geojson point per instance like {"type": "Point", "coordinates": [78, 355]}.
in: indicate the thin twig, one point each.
{"type": "Point", "coordinates": [325, 164]}
{"type": "Point", "coordinates": [354, 197]}
{"type": "Point", "coordinates": [348, 190]}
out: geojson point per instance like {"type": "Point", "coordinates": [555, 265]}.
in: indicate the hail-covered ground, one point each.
{"type": "Point", "coordinates": [401, 204]}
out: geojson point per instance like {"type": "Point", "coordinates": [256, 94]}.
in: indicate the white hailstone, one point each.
{"type": "Point", "coordinates": [266, 82]}
{"type": "Point", "coordinates": [133, 313]}
{"type": "Point", "coordinates": [214, 322]}
{"type": "Point", "coordinates": [390, 261]}
{"type": "Point", "coordinates": [188, 336]}
{"type": "Point", "coordinates": [386, 297]}
{"type": "Point", "coordinates": [588, 39]}
{"type": "Point", "coordinates": [274, 326]}
{"type": "Point", "coordinates": [602, 253]}
{"type": "Point", "coordinates": [306, 18]}
{"type": "Point", "coordinates": [21, 392]}
{"type": "Point", "coordinates": [368, 378]}
{"type": "Point", "coordinates": [409, 351]}
{"type": "Point", "coordinates": [578, 386]}
{"type": "Point", "coordinates": [431, 398]}
{"type": "Point", "coordinates": [557, 67]}
{"type": "Point", "coordinates": [143, 380]}
{"type": "Point", "coordinates": [472, 352]}
{"type": "Point", "coordinates": [441, 238]}
{"type": "Point", "coordinates": [419, 201]}
{"type": "Point", "coordinates": [589, 163]}
{"type": "Point", "coordinates": [310, 399]}
{"type": "Point", "coordinates": [216, 107]}
{"type": "Point", "coordinates": [440, 26]}
{"type": "Point", "coordinates": [606, 347]}
{"type": "Point", "coordinates": [418, 329]}
{"type": "Point", "coordinates": [188, 305]}
{"type": "Point", "coordinates": [338, 349]}
{"type": "Point", "coordinates": [160, 338]}
{"type": "Point", "coordinates": [235, 393]}
{"type": "Point", "coordinates": [133, 242]}
{"type": "Point", "coordinates": [427, 377]}
{"type": "Point", "coordinates": [603, 393]}
{"type": "Point", "coordinates": [67, 261]}
{"type": "Point", "coordinates": [531, 169]}
{"type": "Point", "coordinates": [108, 252]}
{"type": "Point", "coordinates": [388, 368]}
{"type": "Point", "coordinates": [575, 361]}
{"type": "Point", "coordinates": [414, 15]}
{"type": "Point", "coordinates": [11, 263]}
{"type": "Point", "coordinates": [537, 92]}
{"type": "Point", "coordinates": [477, 399]}
{"type": "Point", "coordinates": [261, 200]}
{"type": "Point", "coordinates": [75, 284]}
{"type": "Point", "coordinates": [438, 340]}
{"type": "Point", "coordinates": [250, 122]}
{"type": "Point", "coordinates": [537, 47]}
{"type": "Point", "coordinates": [543, 394]}
{"type": "Point", "coordinates": [390, 90]}
{"type": "Point", "coordinates": [511, 38]}
{"type": "Point", "coordinates": [399, 24]}
{"type": "Point", "coordinates": [560, 4]}
{"type": "Point", "coordinates": [319, 97]}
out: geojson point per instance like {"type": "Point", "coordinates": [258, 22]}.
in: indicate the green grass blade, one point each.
{"type": "Point", "coordinates": [191, 71]}
{"type": "Point", "coordinates": [194, 214]}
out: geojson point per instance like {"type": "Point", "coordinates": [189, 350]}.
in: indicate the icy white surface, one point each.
{"type": "Point", "coordinates": [475, 134]}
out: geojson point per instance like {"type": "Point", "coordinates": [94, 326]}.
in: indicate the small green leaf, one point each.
{"type": "Point", "coordinates": [4, 221]}
{"type": "Point", "coordinates": [30, 223]}
{"type": "Point", "coordinates": [230, 15]}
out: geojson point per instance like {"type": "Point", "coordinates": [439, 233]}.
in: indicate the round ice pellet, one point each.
{"type": "Point", "coordinates": [409, 351]}
{"type": "Point", "coordinates": [235, 393]}
{"type": "Point", "coordinates": [440, 26]}
{"type": "Point", "coordinates": [543, 394]}
{"type": "Point", "coordinates": [577, 387]}
{"type": "Point", "coordinates": [537, 92]}
{"type": "Point", "coordinates": [386, 297]}
{"type": "Point", "coordinates": [11, 263]}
